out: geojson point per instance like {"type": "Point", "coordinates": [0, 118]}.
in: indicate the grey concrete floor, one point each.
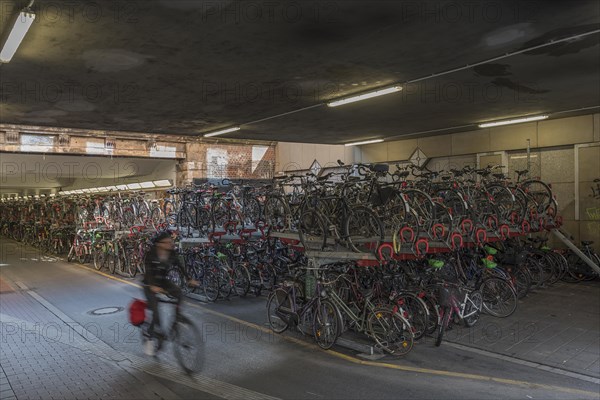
{"type": "Point", "coordinates": [242, 358]}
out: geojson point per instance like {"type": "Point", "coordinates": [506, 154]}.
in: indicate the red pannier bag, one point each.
{"type": "Point", "coordinates": [137, 312]}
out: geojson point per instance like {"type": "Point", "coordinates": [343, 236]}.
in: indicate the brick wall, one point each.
{"type": "Point", "coordinates": [237, 161]}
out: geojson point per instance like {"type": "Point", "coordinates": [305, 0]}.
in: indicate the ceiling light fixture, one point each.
{"type": "Point", "coordinates": [365, 96]}
{"type": "Point", "coordinates": [364, 142]}
{"type": "Point", "coordinates": [223, 131]}
{"type": "Point", "coordinates": [512, 121]}
{"type": "Point", "coordinates": [19, 28]}
{"type": "Point", "coordinates": [163, 183]}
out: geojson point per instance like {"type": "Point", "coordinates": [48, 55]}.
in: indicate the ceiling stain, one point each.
{"type": "Point", "coordinates": [517, 87]}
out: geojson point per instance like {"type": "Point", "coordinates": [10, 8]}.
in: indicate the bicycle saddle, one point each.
{"type": "Point", "coordinates": [587, 242]}
{"type": "Point", "coordinates": [522, 172]}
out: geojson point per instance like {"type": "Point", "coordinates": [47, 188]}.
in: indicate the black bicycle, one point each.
{"type": "Point", "coordinates": [185, 336]}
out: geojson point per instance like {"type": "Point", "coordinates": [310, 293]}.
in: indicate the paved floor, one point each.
{"type": "Point", "coordinates": [51, 346]}
{"type": "Point", "coordinates": [558, 326]}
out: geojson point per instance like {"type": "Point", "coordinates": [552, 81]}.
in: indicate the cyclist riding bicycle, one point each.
{"type": "Point", "coordinates": [160, 259]}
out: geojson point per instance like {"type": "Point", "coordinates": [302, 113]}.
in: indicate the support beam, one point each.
{"type": "Point", "coordinates": [576, 250]}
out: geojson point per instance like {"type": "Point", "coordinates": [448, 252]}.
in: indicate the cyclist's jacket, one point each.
{"type": "Point", "coordinates": [156, 270]}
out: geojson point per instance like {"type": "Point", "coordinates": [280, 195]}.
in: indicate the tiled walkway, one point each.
{"type": "Point", "coordinates": [558, 326]}
{"type": "Point", "coordinates": [44, 358]}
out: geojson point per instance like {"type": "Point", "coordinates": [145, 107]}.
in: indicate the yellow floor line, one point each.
{"type": "Point", "coordinates": [450, 374]}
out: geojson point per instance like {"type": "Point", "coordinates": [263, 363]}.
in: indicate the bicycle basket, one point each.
{"type": "Point", "coordinates": [444, 297]}
{"type": "Point", "coordinates": [137, 312]}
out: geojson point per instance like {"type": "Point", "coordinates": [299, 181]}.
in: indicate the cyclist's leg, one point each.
{"type": "Point", "coordinates": [153, 306]}
{"type": "Point", "coordinates": [174, 291]}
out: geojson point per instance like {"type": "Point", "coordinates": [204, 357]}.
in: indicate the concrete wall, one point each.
{"type": "Point", "coordinates": [300, 156]}
{"type": "Point", "coordinates": [550, 133]}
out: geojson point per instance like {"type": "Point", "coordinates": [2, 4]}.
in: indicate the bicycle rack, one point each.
{"type": "Point", "coordinates": [576, 250]}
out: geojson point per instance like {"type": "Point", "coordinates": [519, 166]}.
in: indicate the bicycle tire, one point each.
{"type": "Point", "coordinates": [499, 297]}
{"type": "Point", "coordinates": [326, 325]}
{"type": "Point", "coordinates": [188, 345]}
{"type": "Point", "coordinates": [278, 299]}
{"type": "Point", "coordinates": [99, 258]}
{"type": "Point", "coordinates": [241, 280]}
{"type": "Point", "coordinates": [312, 230]}
{"type": "Point", "coordinates": [210, 284]}
{"type": "Point", "coordinates": [415, 311]}
{"type": "Point", "coordinates": [442, 325]}
{"type": "Point", "coordinates": [361, 227]}
{"type": "Point", "coordinates": [477, 301]}
{"type": "Point", "coordinates": [391, 331]}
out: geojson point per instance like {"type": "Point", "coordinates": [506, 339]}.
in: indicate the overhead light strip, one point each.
{"type": "Point", "coordinates": [164, 183]}
{"type": "Point", "coordinates": [223, 131]}
{"type": "Point", "coordinates": [20, 27]}
{"type": "Point", "coordinates": [364, 96]}
{"type": "Point", "coordinates": [364, 142]}
{"type": "Point", "coordinates": [512, 121]}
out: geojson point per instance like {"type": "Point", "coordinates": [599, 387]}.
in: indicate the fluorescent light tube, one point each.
{"type": "Point", "coordinates": [163, 183]}
{"type": "Point", "coordinates": [133, 186]}
{"type": "Point", "coordinates": [222, 132]}
{"type": "Point", "coordinates": [365, 142]}
{"type": "Point", "coordinates": [17, 33]}
{"type": "Point", "coordinates": [365, 96]}
{"type": "Point", "coordinates": [512, 121]}
{"type": "Point", "coordinates": [147, 185]}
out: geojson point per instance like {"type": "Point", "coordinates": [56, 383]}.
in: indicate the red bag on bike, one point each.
{"type": "Point", "coordinates": [137, 312]}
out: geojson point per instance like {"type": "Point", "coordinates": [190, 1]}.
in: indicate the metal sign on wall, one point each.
{"type": "Point", "coordinates": [418, 158]}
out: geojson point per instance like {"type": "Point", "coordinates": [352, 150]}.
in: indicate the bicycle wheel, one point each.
{"type": "Point", "coordinates": [521, 281]}
{"type": "Point", "coordinates": [99, 257]}
{"type": "Point", "coordinates": [473, 305]}
{"type": "Point", "coordinates": [445, 311]}
{"type": "Point", "coordinates": [312, 230]}
{"type": "Point", "coordinates": [188, 345]}
{"type": "Point", "coordinates": [363, 230]}
{"type": "Point", "coordinates": [415, 311]}
{"type": "Point", "coordinates": [279, 302]}
{"type": "Point", "coordinates": [211, 284]}
{"type": "Point", "coordinates": [540, 193]}
{"type": "Point", "coordinates": [499, 298]}
{"type": "Point", "coordinates": [391, 331]}
{"type": "Point", "coordinates": [326, 325]}
{"type": "Point", "coordinates": [241, 280]}
{"type": "Point", "coordinates": [275, 213]}
{"type": "Point", "coordinates": [251, 211]}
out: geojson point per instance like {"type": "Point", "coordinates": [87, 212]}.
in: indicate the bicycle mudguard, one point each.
{"type": "Point", "coordinates": [492, 221]}
{"type": "Point", "coordinates": [418, 243]}
{"type": "Point", "coordinates": [407, 229]}
{"type": "Point", "coordinates": [453, 239]}
{"type": "Point", "coordinates": [382, 247]}
{"type": "Point", "coordinates": [466, 222]}
{"type": "Point", "coordinates": [480, 236]}
{"type": "Point", "coordinates": [504, 231]}
{"type": "Point", "coordinates": [525, 227]}
{"type": "Point", "coordinates": [436, 228]}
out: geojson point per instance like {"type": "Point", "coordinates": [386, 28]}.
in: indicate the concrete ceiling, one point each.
{"type": "Point", "coordinates": [190, 67]}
